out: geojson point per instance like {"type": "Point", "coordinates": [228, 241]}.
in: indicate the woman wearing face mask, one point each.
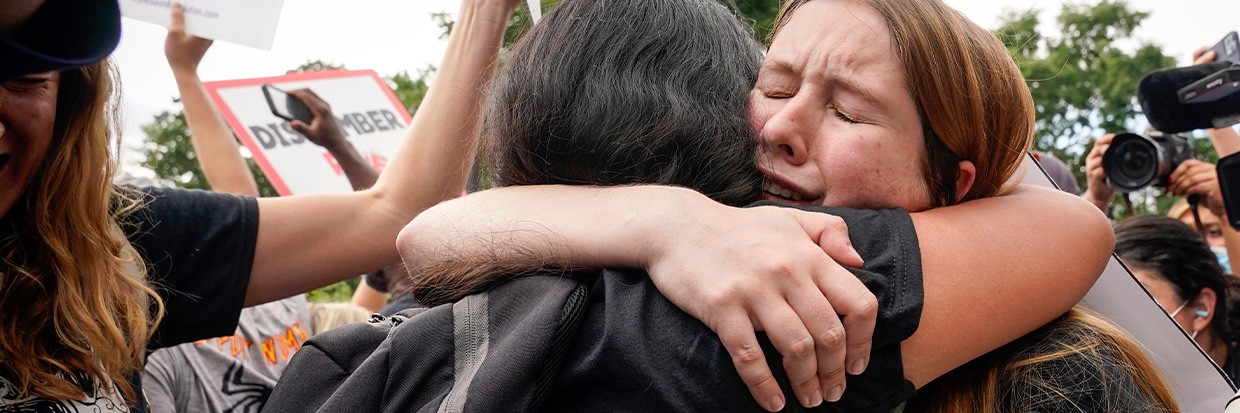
{"type": "Point", "coordinates": [1183, 275]}
{"type": "Point", "coordinates": [850, 118]}
{"type": "Point", "coordinates": [1211, 228]}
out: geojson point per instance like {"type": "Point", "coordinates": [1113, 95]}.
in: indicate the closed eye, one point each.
{"type": "Point", "coordinates": [845, 117]}
{"type": "Point", "coordinates": [27, 82]}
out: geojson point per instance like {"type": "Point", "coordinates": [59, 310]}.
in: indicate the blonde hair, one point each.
{"type": "Point", "coordinates": [1179, 208]}
{"type": "Point", "coordinates": [326, 316]}
{"type": "Point", "coordinates": [1028, 375]}
{"type": "Point", "coordinates": [75, 310]}
{"type": "Point", "coordinates": [971, 96]}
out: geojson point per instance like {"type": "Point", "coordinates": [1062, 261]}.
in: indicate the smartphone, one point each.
{"type": "Point", "coordinates": [1228, 49]}
{"type": "Point", "coordinates": [1229, 184]}
{"type": "Point", "coordinates": [286, 106]}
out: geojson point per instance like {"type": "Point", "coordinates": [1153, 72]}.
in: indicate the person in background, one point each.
{"type": "Point", "coordinates": [96, 275]}
{"type": "Point", "coordinates": [1192, 177]}
{"type": "Point", "coordinates": [1176, 266]}
{"type": "Point", "coordinates": [236, 372]}
{"type": "Point", "coordinates": [327, 316]}
{"type": "Point", "coordinates": [1058, 172]}
{"type": "Point", "coordinates": [1211, 228]}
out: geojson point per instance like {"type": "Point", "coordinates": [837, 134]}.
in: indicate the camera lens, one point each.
{"type": "Point", "coordinates": [1131, 163]}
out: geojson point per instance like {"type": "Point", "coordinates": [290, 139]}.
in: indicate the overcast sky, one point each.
{"type": "Point", "coordinates": [389, 36]}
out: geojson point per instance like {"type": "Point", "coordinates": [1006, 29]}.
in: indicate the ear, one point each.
{"type": "Point", "coordinates": [1204, 301]}
{"type": "Point", "coordinates": [964, 178]}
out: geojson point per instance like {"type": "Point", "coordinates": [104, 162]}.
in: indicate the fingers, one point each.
{"type": "Point", "coordinates": [317, 105]}
{"type": "Point", "coordinates": [1203, 55]}
{"type": "Point", "coordinates": [830, 233]}
{"type": "Point", "coordinates": [788, 331]}
{"type": "Point", "coordinates": [736, 333]}
{"type": "Point", "coordinates": [178, 19]}
{"type": "Point", "coordinates": [859, 308]}
{"type": "Point", "coordinates": [1193, 177]}
{"type": "Point", "coordinates": [301, 127]}
{"type": "Point", "coordinates": [828, 336]}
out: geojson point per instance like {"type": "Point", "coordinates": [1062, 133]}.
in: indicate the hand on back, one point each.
{"type": "Point", "coordinates": [775, 270]}
{"type": "Point", "coordinates": [183, 50]}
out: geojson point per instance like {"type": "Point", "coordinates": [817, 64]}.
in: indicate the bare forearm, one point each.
{"type": "Point", "coordinates": [1101, 204]}
{"type": "Point", "coordinates": [216, 150]}
{"type": "Point", "coordinates": [997, 268]}
{"type": "Point", "coordinates": [369, 298]}
{"type": "Point", "coordinates": [361, 175]}
{"type": "Point", "coordinates": [324, 238]}
{"type": "Point", "coordinates": [1226, 141]}
{"type": "Point", "coordinates": [438, 150]}
{"type": "Point", "coordinates": [462, 245]}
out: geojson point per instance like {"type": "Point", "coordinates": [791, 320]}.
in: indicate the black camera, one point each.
{"type": "Point", "coordinates": [1133, 161]}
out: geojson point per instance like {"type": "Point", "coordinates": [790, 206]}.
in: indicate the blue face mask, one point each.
{"type": "Point", "coordinates": [1220, 252]}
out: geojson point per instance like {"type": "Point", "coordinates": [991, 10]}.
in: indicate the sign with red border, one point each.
{"type": "Point", "coordinates": [372, 118]}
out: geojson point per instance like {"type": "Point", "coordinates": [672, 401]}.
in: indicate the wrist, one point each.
{"type": "Point", "coordinates": [184, 71]}
{"type": "Point", "coordinates": [493, 11]}
{"type": "Point", "coordinates": [338, 145]}
{"type": "Point", "coordinates": [1100, 201]}
{"type": "Point", "coordinates": [656, 226]}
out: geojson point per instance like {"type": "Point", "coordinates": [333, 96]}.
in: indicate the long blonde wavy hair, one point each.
{"type": "Point", "coordinates": [1028, 374]}
{"type": "Point", "coordinates": [75, 309]}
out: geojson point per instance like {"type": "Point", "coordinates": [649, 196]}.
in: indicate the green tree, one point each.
{"type": "Point", "coordinates": [1084, 79]}
{"type": "Point", "coordinates": [411, 90]}
{"type": "Point", "coordinates": [760, 14]}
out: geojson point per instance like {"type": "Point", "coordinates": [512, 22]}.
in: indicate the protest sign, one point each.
{"type": "Point", "coordinates": [370, 115]}
{"type": "Point", "coordinates": [1198, 384]}
{"type": "Point", "coordinates": [245, 22]}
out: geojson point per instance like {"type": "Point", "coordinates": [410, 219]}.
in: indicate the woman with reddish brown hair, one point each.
{"type": "Point", "coordinates": [877, 104]}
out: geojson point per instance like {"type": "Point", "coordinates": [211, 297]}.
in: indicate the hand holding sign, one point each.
{"type": "Point", "coordinates": [183, 50]}
{"type": "Point", "coordinates": [245, 22]}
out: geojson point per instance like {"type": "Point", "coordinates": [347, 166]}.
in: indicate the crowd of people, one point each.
{"type": "Point", "coordinates": [683, 220]}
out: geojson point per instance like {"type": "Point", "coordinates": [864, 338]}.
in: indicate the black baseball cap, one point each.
{"type": "Point", "coordinates": [61, 34]}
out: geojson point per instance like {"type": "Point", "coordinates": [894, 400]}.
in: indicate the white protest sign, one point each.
{"type": "Point", "coordinates": [535, 7]}
{"type": "Point", "coordinates": [371, 116]}
{"type": "Point", "coordinates": [245, 22]}
{"type": "Point", "coordinates": [1198, 385]}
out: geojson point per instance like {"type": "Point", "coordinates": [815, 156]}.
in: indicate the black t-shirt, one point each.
{"type": "Point", "coordinates": [636, 351]}
{"type": "Point", "coordinates": [199, 250]}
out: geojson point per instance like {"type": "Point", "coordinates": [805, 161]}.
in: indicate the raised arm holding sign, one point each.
{"type": "Point", "coordinates": [323, 236]}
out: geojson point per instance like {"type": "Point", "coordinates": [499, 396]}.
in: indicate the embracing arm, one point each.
{"type": "Point", "coordinates": [459, 247]}
{"type": "Point", "coordinates": [1062, 247]}
{"type": "Point", "coordinates": [322, 238]}
{"type": "Point", "coordinates": [997, 268]}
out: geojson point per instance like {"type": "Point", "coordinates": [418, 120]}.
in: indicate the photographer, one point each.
{"type": "Point", "coordinates": [1191, 177]}
{"type": "Point", "coordinates": [1226, 142]}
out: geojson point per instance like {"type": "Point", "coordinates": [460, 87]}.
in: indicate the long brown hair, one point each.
{"type": "Point", "coordinates": [972, 98]}
{"type": "Point", "coordinates": [1030, 374]}
{"type": "Point", "coordinates": [75, 310]}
